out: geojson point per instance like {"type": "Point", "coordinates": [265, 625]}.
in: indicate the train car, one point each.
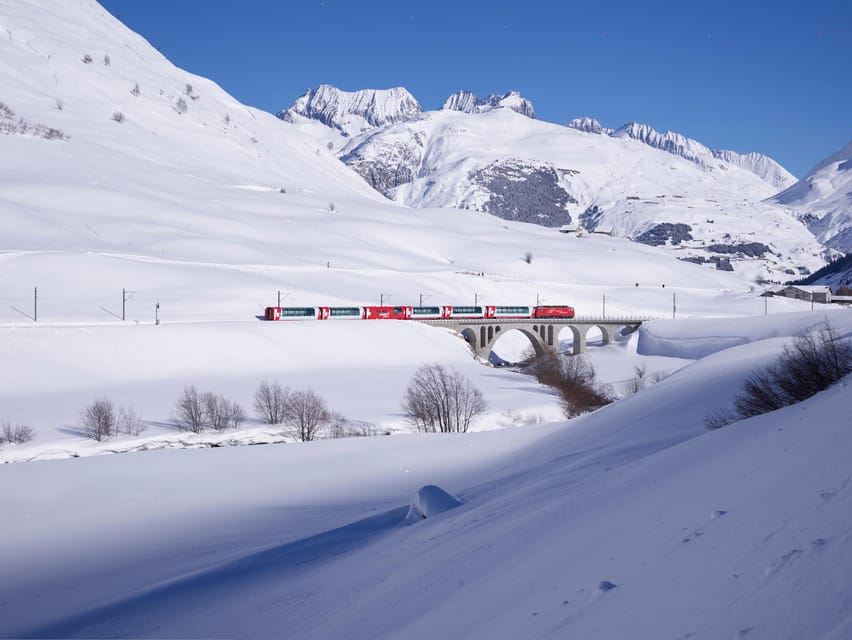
{"type": "Point", "coordinates": [431, 313]}
{"type": "Point", "coordinates": [291, 313]}
{"type": "Point", "coordinates": [341, 313]}
{"type": "Point", "coordinates": [508, 312]}
{"type": "Point", "coordinates": [387, 313]}
{"type": "Point", "coordinates": [467, 312]}
{"type": "Point", "coordinates": [553, 311]}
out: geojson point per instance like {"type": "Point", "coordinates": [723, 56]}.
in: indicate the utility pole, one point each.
{"type": "Point", "coordinates": [475, 299]}
{"type": "Point", "coordinates": [157, 314]}
{"type": "Point", "coordinates": [604, 306]}
{"type": "Point", "coordinates": [279, 297]}
{"type": "Point", "coordinates": [35, 304]}
{"type": "Point", "coordinates": [423, 296]}
{"type": "Point", "coordinates": [674, 304]}
{"type": "Point", "coordinates": [125, 296]}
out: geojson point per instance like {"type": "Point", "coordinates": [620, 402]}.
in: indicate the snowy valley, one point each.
{"type": "Point", "coordinates": [147, 218]}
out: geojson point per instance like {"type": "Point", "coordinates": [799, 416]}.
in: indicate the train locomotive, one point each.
{"type": "Point", "coordinates": [405, 312]}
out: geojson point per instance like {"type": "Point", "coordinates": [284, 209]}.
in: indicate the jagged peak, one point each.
{"type": "Point", "coordinates": [670, 141]}
{"type": "Point", "coordinates": [353, 111]}
{"type": "Point", "coordinates": [469, 102]}
{"type": "Point", "coordinates": [589, 125]}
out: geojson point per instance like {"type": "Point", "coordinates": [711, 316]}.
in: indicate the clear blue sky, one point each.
{"type": "Point", "coordinates": [748, 75]}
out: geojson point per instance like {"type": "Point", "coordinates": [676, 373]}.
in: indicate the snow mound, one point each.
{"type": "Point", "coordinates": [429, 501]}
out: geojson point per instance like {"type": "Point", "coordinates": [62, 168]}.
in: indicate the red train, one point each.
{"type": "Point", "coordinates": [404, 312]}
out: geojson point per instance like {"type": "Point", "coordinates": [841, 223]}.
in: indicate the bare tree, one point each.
{"type": "Point", "coordinates": [135, 91]}
{"type": "Point", "coordinates": [236, 415]}
{"type": "Point", "coordinates": [189, 413]}
{"type": "Point", "coordinates": [98, 419]}
{"type": "Point", "coordinates": [306, 413]}
{"type": "Point", "coordinates": [130, 421]}
{"type": "Point", "coordinates": [107, 60]}
{"type": "Point", "coordinates": [16, 434]}
{"type": "Point", "coordinates": [269, 401]}
{"type": "Point", "coordinates": [441, 399]}
{"type": "Point", "coordinates": [221, 413]}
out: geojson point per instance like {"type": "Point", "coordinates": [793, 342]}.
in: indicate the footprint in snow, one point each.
{"type": "Point", "coordinates": [782, 562]}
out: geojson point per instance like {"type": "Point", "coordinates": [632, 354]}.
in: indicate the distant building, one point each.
{"type": "Point", "coordinates": [808, 293]}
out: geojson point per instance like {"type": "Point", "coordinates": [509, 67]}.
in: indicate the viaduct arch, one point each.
{"type": "Point", "coordinates": [542, 333]}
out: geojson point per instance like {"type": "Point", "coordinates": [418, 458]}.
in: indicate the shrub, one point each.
{"type": "Point", "coordinates": [107, 60]}
{"type": "Point", "coordinates": [16, 434]}
{"type": "Point", "coordinates": [441, 399]}
{"type": "Point", "coordinates": [180, 105]}
{"type": "Point", "coordinates": [528, 257]}
{"type": "Point", "coordinates": [118, 116]}
{"type": "Point", "coordinates": [269, 400]}
{"type": "Point", "coordinates": [573, 378]}
{"type": "Point", "coordinates": [809, 364]}
{"type": "Point", "coordinates": [87, 59]}
{"type": "Point", "coordinates": [136, 91]}
{"type": "Point", "coordinates": [638, 381]}
{"type": "Point", "coordinates": [98, 420]}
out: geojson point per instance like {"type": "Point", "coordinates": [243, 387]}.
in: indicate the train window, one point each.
{"type": "Point", "coordinates": [425, 310]}
{"type": "Point", "coordinates": [467, 309]}
{"type": "Point", "coordinates": [397, 309]}
{"type": "Point", "coordinates": [345, 311]}
{"type": "Point", "coordinates": [298, 312]}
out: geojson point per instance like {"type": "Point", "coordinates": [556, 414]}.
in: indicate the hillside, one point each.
{"type": "Point", "coordinates": [823, 200]}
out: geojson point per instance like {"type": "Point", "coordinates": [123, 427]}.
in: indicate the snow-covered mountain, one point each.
{"type": "Point", "coordinates": [823, 199]}
{"type": "Point", "coordinates": [677, 144]}
{"type": "Point", "coordinates": [468, 102]}
{"type": "Point", "coordinates": [517, 168]}
{"type": "Point", "coordinates": [353, 112]}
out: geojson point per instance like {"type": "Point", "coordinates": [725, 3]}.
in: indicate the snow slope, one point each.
{"type": "Point", "coordinates": [823, 200]}
{"type": "Point", "coordinates": [590, 529]}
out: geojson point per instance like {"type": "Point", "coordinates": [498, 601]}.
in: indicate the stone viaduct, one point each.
{"type": "Point", "coordinates": [542, 333]}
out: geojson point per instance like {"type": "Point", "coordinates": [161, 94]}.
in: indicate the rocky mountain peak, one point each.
{"type": "Point", "coordinates": [589, 125]}
{"type": "Point", "coordinates": [352, 112]}
{"type": "Point", "coordinates": [469, 102]}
